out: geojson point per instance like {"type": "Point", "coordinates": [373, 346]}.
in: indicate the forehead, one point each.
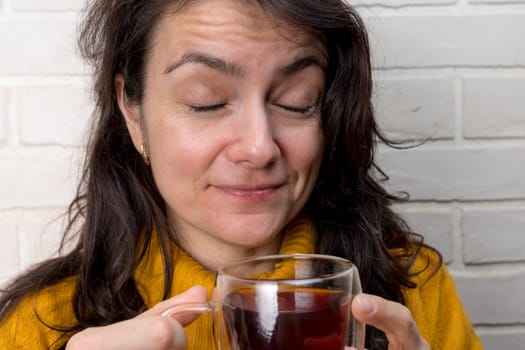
{"type": "Point", "coordinates": [235, 22]}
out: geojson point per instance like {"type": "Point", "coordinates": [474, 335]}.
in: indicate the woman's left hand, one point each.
{"type": "Point", "coordinates": [392, 318]}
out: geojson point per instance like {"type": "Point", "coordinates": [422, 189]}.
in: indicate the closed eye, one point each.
{"type": "Point", "coordinates": [207, 108]}
{"type": "Point", "coordinates": [297, 109]}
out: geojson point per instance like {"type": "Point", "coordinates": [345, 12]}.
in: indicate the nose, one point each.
{"type": "Point", "coordinates": [255, 144]}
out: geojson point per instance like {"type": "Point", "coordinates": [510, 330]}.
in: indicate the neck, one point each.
{"type": "Point", "coordinates": [213, 253]}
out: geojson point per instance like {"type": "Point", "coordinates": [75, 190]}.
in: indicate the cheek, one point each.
{"type": "Point", "coordinates": [306, 153]}
{"type": "Point", "coordinates": [177, 162]}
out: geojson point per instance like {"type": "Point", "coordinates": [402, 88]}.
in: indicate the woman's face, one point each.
{"type": "Point", "coordinates": [231, 124]}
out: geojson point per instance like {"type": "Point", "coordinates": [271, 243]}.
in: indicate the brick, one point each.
{"type": "Point", "coordinates": [467, 40]}
{"type": "Point", "coordinates": [43, 179]}
{"type": "Point", "coordinates": [497, 1]}
{"type": "Point", "coordinates": [28, 237]}
{"type": "Point", "coordinates": [53, 114]}
{"type": "Point", "coordinates": [494, 108]}
{"type": "Point", "coordinates": [493, 299]}
{"type": "Point", "coordinates": [48, 5]}
{"type": "Point", "coordinates": [10, 252]}
{"type": "Point", "coordinates": [503, 338]}
{"type": "Point", "coordinates": [436, 227]}
{"type": "Point", "coordinates": [39, 235]}
{"type": "Point", "coordinates": [493, 235]}
{"type": "Point", "coordinates": [455, 173]}
{"type": "Point", "coordinates": [3, 115]}
{"type": "Point", "coordinates": [415, 108]}
{"type": "Point", "coordinates": [39, 48]}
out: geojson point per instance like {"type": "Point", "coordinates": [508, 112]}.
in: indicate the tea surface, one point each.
{"type": "Point", "coordinates": [304, 319]}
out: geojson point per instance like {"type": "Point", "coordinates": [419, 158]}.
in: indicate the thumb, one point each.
{"type": "Point", "coordinates": [184, 307]}
{"type": "Point", "coordinates": [392, 318]}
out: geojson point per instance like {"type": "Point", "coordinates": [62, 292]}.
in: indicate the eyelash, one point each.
{"type": "Point", "coordinates": [298, 110]}
{"type": "Point", "coordinates": [208, 108]}
{"type": "Point", "coordinates": [216, 107]}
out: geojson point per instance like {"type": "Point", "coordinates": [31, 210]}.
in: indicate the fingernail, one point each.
{"type": "Point", "coordinates": [365, 304]}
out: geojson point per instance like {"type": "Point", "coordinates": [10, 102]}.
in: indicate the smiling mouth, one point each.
{"type": "Point", "coordinates": [257, 193]}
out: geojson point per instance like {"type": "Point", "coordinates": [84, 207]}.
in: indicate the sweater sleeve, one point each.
{"type": "Point", "coordinates": [36, 321]}
{"type": "Point", "coordinates": [436, 307]}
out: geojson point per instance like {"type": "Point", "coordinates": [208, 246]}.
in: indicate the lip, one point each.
{"type": "Point", "coordinates": [260, 192]}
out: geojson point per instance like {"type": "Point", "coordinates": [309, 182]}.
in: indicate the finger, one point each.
{"type": "Point", "coordinates": [392, 318]}
{"type": "Point", "coordinates": [153, 333]}
{"type": "Point", "coordinates": [148, 331]}
{"type": "Point", "coordinates": [197, 294]}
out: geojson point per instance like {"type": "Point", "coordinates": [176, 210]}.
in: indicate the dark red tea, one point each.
{"type": "Point", "coordinates": [304, 319]}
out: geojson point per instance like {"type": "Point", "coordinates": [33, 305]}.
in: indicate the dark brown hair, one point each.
{"type": "Point", "coordinates": [117, 205]}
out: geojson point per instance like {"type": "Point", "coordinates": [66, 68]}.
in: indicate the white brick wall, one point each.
{"type": "Point", "coordinates": [38, 45]}
{"type": "Point", "coordinates": [44, 107]}
{"type": "Point", "coordinates": [499, 103]}
{"type": "Point", "coordinates": [69, 119]}
{"type": "Point", "coordinates": [451, 71]}
{"type": "Point", "coordinates": [416, 107]}
{"type": "Point", "coordinates": [3, 115]}
{"type": "Point", "coordinates": [48, 5]}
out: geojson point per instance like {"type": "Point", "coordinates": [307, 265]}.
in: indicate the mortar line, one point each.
{"type": "Point", "coordinates": [458, 111]}
{"type": "Point", "coordinates": [457, 239]}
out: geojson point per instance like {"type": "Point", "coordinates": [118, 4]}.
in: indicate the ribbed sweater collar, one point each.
{"type": "Point", "coordinates": [149, 276]}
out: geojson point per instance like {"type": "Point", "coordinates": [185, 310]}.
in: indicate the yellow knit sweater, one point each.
{"type": "Point", "coordinates": [434, 304]}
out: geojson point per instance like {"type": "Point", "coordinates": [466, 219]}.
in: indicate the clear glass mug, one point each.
{"type": "Point", "coordinates": [278, 302]}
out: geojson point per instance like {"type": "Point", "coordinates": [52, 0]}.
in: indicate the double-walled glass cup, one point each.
{"type": "Point", "coordinates": [284, 302]}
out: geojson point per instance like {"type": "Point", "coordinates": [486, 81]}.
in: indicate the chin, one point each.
{"type": "Point", "coordinates": [253, 236]}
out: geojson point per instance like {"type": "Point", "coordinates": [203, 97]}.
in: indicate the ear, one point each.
{"type": "Point", "coordinates": [131, 113]}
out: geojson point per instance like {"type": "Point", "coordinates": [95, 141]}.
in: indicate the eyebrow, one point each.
{"type": "Point", "coordinates": [235, 70]}
{"type": "Point", "coordinates": [229, 68]}
{"type": "Point", "coordinates": [302, 63]}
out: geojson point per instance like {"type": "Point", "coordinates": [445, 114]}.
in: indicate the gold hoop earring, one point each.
{"type": "Point", "coordinates": [144, 154]}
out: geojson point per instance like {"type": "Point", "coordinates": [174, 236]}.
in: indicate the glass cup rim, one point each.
{"type": "Point", "coordinates": [349, 267]}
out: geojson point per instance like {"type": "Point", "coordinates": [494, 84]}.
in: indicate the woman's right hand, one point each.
{"type": "Point", "coordinates": [149, 330]}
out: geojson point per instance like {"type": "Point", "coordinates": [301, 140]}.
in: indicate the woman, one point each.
{"type": "Point", "coordinates": [225, 129]}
